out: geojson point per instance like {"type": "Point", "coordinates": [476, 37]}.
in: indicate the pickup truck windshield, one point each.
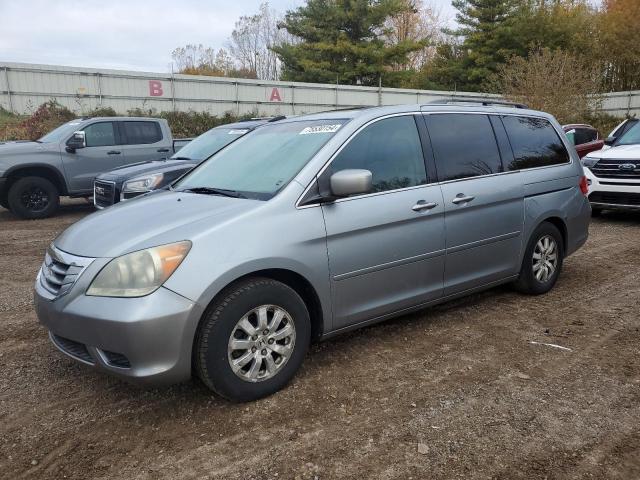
{"type": "Point", "coordinates": [64, 130]}
{"type": "Point", "coordinates": [259, 164]}
{"type": "Point", "coordinates": [630, 137]}
{"type": "Point", "coordinates": [209, 143]}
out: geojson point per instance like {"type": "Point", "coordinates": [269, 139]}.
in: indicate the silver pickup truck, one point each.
{"type": "Point", "coordinates": [33, 175]}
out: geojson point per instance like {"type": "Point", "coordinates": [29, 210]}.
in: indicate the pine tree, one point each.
{"type": "Point", "coordinates": [343, 41]}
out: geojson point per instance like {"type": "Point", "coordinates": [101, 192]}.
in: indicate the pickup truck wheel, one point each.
{"type": "Point", "coordinates": [252, 340]}
{"type": "Point", "coordinates": [33, 197]}
{"type": "Point", "coordinates": [542, 261]}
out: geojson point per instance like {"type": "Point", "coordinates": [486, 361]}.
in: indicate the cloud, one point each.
{"type": "Point", "coordinates": [121, 34]}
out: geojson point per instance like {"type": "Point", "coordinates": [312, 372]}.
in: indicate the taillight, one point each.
{"type": "Point", "coordinates": [584, 185]}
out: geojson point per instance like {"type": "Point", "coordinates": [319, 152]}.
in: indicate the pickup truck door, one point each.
{"type": "Point", "coordinates": [144, 140]}
{"type": "Point", "coordinates": [101, 154]}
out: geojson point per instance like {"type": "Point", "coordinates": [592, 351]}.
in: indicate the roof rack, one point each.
{"type": "Point", "coordinates": [487, 102]}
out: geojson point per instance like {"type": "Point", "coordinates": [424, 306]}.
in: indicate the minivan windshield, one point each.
{"type": "Point", "coordinates": [259, 164]}
{"type": "Point", "coordinates": [64, 130]}
{"type": "Point", "coordinates": [630, 137]}
{"type": "Point", "coordinates": [209, 143]}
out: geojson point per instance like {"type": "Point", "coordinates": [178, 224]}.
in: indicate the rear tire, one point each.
{"type": "Point", "coordinates": [542, 261]}
{"type": "Point", "coordinates": [33, 197]}
{"type": "Point", "coordinates": [252, 339]}
{"type": "Point", "coordinates": [596, 211]}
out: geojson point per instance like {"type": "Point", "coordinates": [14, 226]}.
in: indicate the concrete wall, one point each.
{"type": "Point", "coordinates": [23, 87]}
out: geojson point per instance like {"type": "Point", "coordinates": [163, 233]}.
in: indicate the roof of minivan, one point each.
{"type": "Point", "coordinates": [374, 112]}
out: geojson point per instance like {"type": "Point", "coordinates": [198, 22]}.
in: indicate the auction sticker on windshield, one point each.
{"type": "Point", "coordinates": [321, 129]}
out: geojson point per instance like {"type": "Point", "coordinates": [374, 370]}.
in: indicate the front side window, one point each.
{"type": "Point", "coordinates": [141, 133]}
{"type": "Point", "coordinates": [209, 143]}
{"type": "Point", "coordinates": [100, 134]}
{"type": "Point", "coordinates": [631, 136]}
{"type": "Point", "coordinates": [464, 145]}
{"type": "Point", "coordinates": [391, 150]}
{"type": "Point", "coordinates": [263, 161]}
{"type": "Point", "coordinates": [535, 143]}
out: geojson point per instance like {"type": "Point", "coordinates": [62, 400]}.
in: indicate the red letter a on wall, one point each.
{"type": "Point", "coordinates": [275, 95]}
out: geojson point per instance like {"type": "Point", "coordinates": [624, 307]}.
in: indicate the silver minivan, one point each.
{"type": "Point", "coordinates": [309, 227]}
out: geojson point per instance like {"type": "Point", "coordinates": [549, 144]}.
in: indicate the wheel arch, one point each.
{"type": "Point", "coordinates": [37, 170]}
{"type": "Point", "coordinates": [300, 284]}
{"type": "Point", "coordinates": [560, 224]}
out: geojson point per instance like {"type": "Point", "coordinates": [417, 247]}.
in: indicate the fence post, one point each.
{"type": "Point", "coordinates": [98, 79]}
{"type": "Point", "coordinates": [237, 99]}
{"type": "Point", "coordinates": [173, 92]}
{"type": "Point", "coordinates": [293, 100]}
{"type": "Point", "coordinates": [6, 77]}
{"type": "Point", "coordinates": [629, 104]}
{"type": "Point", "coordinates": [380, 90]}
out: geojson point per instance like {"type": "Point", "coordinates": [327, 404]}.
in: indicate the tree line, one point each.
{"type": "Point", "coordinates": [406, 43]}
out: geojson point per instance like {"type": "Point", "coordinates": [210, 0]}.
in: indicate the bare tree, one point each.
{"type": "Point", "coordinates": [420, 21]}
{"type": "Point", "coordinates": [553, 81]}
{"type": "Point", "coordinates": [251, 41]}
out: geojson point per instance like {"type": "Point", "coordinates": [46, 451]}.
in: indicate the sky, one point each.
{"type": "Point", "coordinates": [123, 34]}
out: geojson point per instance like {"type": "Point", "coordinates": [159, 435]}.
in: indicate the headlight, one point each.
{"type": "Point", "coordinates": [144, 183]}
{"type": "Point", "coordinates": [589, 161]}
{"type": "Point", "coordinates": [139, 273]}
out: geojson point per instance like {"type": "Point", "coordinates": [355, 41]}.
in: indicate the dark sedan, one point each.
{"type": "Point", "coordinates": [134, 180]}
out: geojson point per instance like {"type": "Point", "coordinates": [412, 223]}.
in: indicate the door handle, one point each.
{"type": "Point", "coordinates": [462, 198]}
{"type": "Point", "coordinates": [163, 150]}
{"type": "Point", "coordinates": [422, 205]}
{"type": "Point", "coordinates": [113, 152]}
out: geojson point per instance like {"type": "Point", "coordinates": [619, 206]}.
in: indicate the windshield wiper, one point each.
{"type": "Point", "coordinates": [179, 158]}
{"type": "Point", "coordinates": [214, 191]}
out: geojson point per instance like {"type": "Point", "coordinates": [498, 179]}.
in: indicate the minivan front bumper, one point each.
{"type": "Point", "coordinates": [145, 340]}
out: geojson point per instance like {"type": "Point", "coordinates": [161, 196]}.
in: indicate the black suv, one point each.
{"type": "Point", "coordinates": [134, 180]}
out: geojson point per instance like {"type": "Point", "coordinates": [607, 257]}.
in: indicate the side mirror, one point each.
{"type": "Point", "coordinates": [610, 140]}
{"type": "Point", "coordinates": [76, 141]}
{"type": "Point", "coordinates": [351, 182]}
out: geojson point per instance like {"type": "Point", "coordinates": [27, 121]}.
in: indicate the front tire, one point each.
{"type": "Point", "coordinates": [542, 261]}
{"type": "Point", "coordinates": [252, 339]}
{"type": "Point", "coordinates": [33, 197]}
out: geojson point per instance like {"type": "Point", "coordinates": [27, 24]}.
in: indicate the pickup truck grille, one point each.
{"type": "Point", "coordinates": [104, 193]}
{"type": "Point", "coordinates": [605, 168]}
{"type": "Point", "coordinates": [60, 271]}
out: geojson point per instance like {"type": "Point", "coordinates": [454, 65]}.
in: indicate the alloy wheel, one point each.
{"type": "Point", "coordinates": [261, 343]}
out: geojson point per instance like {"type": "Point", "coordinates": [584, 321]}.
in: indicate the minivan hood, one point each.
{"type": "Point", "coordinates": [155, 219]}
{"type": "Point", "coordinates": [621, 152]}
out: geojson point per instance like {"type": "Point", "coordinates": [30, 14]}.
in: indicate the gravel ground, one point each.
{"type": "Point", "coordinates": [454, 391]}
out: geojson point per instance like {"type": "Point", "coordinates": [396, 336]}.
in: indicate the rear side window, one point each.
{"type": "Point", "coordinates": [535, 143]}
{"type": "Point", "coordinates": [585, 135]}
{"type": "Point", "coordinates": [391, 150]}
{"type": "Point", "coordinates": [100, 134]}
{"type": "Point", "coordinates": [140, 133]}
{"type": "Point", "coordinates": [464, 145]}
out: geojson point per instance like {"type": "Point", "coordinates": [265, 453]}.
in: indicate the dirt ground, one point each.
{"type": "Point", "coordinates": [455, 391]}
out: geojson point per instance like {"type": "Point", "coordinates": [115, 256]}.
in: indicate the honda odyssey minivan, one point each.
{"type": "Point", "coordinates": [309, 227]}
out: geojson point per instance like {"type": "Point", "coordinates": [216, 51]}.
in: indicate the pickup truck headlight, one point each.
{"type": "Point", "coordinates": [589, 161]}
{"type": "Point", "coordinates": [144, 183]}
{"type": "Point", "coordinates": [139, 273]}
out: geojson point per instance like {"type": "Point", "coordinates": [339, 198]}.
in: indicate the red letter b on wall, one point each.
{"type": "Point", "coordinates": [155, 88]}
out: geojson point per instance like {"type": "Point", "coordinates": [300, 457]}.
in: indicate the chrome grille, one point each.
{"type": "Point", "coordinates": [607, 168]}
{"type": "Point", "coordinates": [104, 193]}
{"type": "Point", "coordinates": [60, 271]}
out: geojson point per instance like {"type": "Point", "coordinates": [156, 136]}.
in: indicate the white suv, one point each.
{"type": "Point", "coordinates": [613, 173]}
